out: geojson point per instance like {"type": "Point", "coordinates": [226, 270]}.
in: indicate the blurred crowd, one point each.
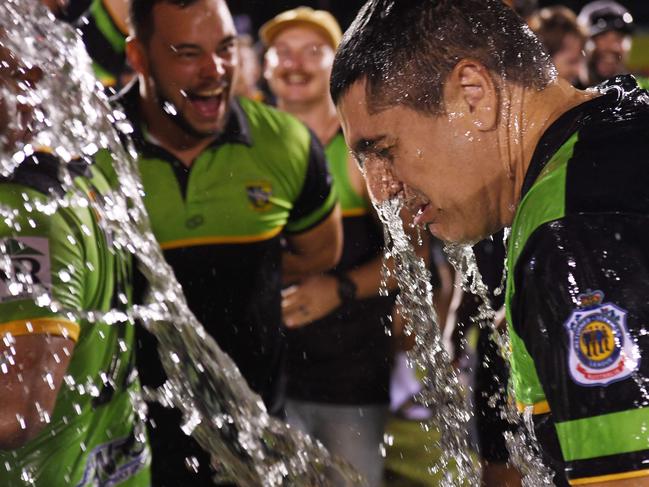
{"type": "Point", "coordinates": [335, 367]}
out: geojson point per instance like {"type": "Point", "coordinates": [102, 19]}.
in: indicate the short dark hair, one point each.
{"type": "Point", "coordinates": [553, 24]}
{"type": "Point", "coordinates": [406, 49]}
{"type": "Point", "coordinates": [141, 15]}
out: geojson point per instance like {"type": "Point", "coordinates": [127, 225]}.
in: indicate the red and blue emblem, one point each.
{"type": "Point", "coordinates": [601, 349]}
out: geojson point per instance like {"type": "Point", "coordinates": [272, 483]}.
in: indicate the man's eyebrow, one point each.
{"type": "Point", "coordinates": [184, 45]}
{"type": "Point", "coordinates": [227, 40]}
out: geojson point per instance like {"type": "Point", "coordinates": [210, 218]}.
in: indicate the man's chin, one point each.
{"type": "Point", "coordinates": [455, 236]}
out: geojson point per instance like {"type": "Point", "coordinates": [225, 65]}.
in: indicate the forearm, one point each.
{"type": "Point", "coordinates": [25, 396]}
{"type": "Point", "coordinates": [298, 266]}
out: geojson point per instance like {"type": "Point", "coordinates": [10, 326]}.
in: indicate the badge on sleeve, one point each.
{"type": "Point", "coordinates": [601, 350]}
{"type": "Point", "coordinates": [25, 269]}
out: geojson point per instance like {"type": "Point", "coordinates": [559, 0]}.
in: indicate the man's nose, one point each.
{"type": "Point", "coordinates": [214, 66]}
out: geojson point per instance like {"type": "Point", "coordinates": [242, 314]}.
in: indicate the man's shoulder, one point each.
{"type": "Point", "coordinates": [609, 168]}
{"type": "Point", "coordinates": [266, 121]}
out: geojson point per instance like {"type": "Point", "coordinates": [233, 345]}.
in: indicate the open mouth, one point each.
{"type": "Point", "coordinates": [207, 102]}
{"type": "Point", "coordinates": [296, 79]}
{"type": "Point", "coordinates": [424, 214]}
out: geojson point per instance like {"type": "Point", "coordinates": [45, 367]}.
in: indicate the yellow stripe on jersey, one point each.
{"type": "Point", "coordinates": [226, 239]}
{"type": "Point", "coordinates": [537, 408]}
{"type": "Point", "coordinates": [42, 326]}
{"type": "Point", "coordinates": [608, 478]}
{"type": "Point", "coordinates": [354, 212]}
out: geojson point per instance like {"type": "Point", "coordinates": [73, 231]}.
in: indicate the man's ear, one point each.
{"type": "Point", "coordinates": [136, 56]}
{"type": "Point", "coordinates": [471, 89]}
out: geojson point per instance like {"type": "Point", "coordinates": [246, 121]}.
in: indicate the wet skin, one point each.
{"type": "Point", "coordinates": [447, 167]}
{"type": "Point", "coordinates": [186, 69]}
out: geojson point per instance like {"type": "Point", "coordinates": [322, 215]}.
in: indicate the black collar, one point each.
{"type": "Point", "coordinates": [236, 131]}
{"type": "Point", "coordinates": [570, 122]}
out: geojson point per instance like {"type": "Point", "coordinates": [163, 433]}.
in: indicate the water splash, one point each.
{"type": "Point", "coordinates": [442, 391]}
{"type": "Point", "coordinates": [72, 116]}
{"type": "Point", "coordinates": [522, 445]}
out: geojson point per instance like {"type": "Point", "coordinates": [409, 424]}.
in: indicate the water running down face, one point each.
{"type": "Point", "coordinates": [446, 168]}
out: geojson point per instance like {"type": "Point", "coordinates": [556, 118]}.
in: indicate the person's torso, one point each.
{"type": "Point", "coordinates": [90, 437]}
{"type": "Point", "coordinates": [344, 356]}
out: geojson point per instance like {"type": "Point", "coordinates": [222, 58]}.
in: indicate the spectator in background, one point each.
{"type": "Point", "coordinates": [246, 83]}
{"type": "Point", "coordinates": [563, 38]}
{"type": "Point", "coordinates": [609, 26]}
{"type": "Point", "coordinates": [338, 349]}
{"type": "Point", "coordinates": [53, 433]}
{"type": "Point", "coordinates": [224, 177]}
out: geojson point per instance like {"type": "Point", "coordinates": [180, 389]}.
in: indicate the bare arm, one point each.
{"type": "Point", "coordinates": [32, 381]}
{"type": "Point", "coordinates": [315, 250]}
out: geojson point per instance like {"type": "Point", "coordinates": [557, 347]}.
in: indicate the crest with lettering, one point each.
{"type": "Point", "coordinates": [601, 350]}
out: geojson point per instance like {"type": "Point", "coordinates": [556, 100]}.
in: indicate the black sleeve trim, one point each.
{"type": "Point", "coordinates": [317, 183]}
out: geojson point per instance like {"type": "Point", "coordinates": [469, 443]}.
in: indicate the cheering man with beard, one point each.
{"type": "Point", "coordinates": [225, 180]}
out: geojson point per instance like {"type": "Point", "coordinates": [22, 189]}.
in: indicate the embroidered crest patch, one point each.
{"type": "Point", "coordinates": [601, 350]}
{"type": "Point", "coordinates": [260, 194]}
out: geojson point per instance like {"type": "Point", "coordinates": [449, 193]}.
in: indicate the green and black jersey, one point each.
{"type": "Point", "coordinates": [578, 284]}
{"type": "Point", "coordinates": [220, 224]}
{"type": "Point", "coordinates": [343, 358]}
{"type": "Point", "coordinates": [94, 436]}
{"type": "Point", "coordinates": [105, 43]}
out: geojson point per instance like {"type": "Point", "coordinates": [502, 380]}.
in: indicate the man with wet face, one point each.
{"type": "Point", "coordinates": [53, 432]}
{"type": "Point", "coordinates": [226, 180]}
{"type": "Point", "coordinates": [609, 26]}
{"type": "Point", "coordinates": [475, 133]}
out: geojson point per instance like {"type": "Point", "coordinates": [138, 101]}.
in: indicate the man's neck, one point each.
{"type": "Point", "coordinates": [532, 113]}
{"type": "Point", "coordinates": [169, 135]}
{"type": "Point", "coordinates": [320, 116]}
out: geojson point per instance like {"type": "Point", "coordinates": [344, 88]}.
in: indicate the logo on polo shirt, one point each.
{"type": "Point", "coordinates": [601, 350]}
{"type": "Point", "coordinates": [260, 194]}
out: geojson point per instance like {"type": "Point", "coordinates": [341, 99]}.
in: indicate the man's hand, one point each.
{"type": "Point", "coordinates": [310, 300]}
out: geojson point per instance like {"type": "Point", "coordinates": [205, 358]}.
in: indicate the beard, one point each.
{"type": "Point", "coordinates": [174, 112]}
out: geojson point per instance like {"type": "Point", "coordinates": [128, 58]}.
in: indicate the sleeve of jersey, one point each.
{"type": "Point", "coordinates": [43, 262]}
{"type": "Point", "coordinates": [317, 198]}
{"type": "Point", "coordinates": [584, 317]}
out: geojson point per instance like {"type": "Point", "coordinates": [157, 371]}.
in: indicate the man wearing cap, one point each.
{"type": "Point", "coordinates": [338, 353]}
{"type": "Point", "coordinates": [609, 26]}
{"type": "Point", "coordinates": [227, 180]}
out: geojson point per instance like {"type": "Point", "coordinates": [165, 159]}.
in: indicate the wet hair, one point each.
{"type": "Point", "coordinates": [141, 15]}
{"type": "Point", "coordinates": [406, 49]}
{"type": "Point", "coordinates": [553, 24]}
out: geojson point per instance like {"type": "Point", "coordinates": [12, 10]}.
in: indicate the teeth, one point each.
{"type": "Point", "coordinates": [214, 92]}
{"type": "Point", "coordinates": [296, 78]}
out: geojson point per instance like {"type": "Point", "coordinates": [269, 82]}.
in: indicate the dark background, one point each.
{"type": "Point", "coordinates": [345, 10]}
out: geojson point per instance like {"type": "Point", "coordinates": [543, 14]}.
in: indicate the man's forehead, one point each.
{"type": "Point", "coordinates": [299, 33]}
{"type": "Point", "coordinates": [175, 20]}
{"type": "Point", "coordinates": [357, 121]}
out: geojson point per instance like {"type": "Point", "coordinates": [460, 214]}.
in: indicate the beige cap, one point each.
{"type": "Point", "coordinates": [320, 19]}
